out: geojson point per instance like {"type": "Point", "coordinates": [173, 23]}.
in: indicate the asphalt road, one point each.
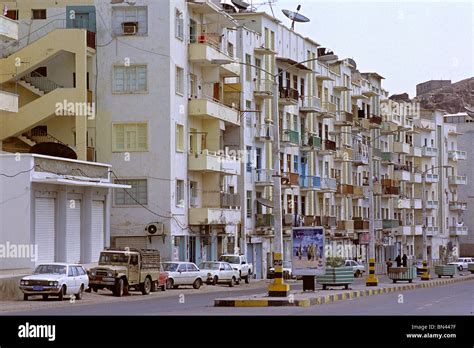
{"type": "Point", "coordinates": [453, 299]}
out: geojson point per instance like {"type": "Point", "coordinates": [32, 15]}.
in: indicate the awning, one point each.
{"type": "Point", "coordinates": [265, 202]}
{"type": "Point", "coordinates": [70, 182]}
{"type": "Point", "coordinates": [293, 63]}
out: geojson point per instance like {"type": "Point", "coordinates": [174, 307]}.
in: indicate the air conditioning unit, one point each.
{"type": "Point", "coordinates": [154, 229]}
{"type": "Point", "coordinates": [130, 28]}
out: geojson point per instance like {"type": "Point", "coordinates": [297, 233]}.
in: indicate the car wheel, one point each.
{"type": "Point", "coordinates": [232, 282]}
{"type": "Point", "coordinates": [197, 284]}
{"type": "Point", "coordinates": [460, 268]}
{"type": "Point", "coordinates": [146, 286]}
{"type": "Point", "coordinates": [95, 289]}
{"type": "Point", "coordinates": [169, 283]}
{"type": "Point", "coordinates": [163, 288]}
{"type": "Point", "coordinates": [25, 297]}
{"type": "Point", "coordinates": [215, 280]}
{"type": "Point", "coordinates": [154, 286]}
{"type": "Point", "coordinates": [45, 297]}
{"type": "Point", "coordinates": [61, 294]}
{"type": "Point", "coordinates": [247, 279]}
{"type": "Point", "coordinates": [357, 274]}
{"type": "Point", "coordinates": [118, 290]}
{"type": "Point", "coordinates": [80, 293]}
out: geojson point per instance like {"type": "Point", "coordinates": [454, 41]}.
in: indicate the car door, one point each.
{"type": "Point", "coordinates": [181, 275]}
{"type": "Point", "coordinates": [229, 271]}
{"type": "Point", "coordinates": [192, 272]}
{"type": "Point", "coordinates": [82, 277]}
{"type": "Point", "coordinates": [71, 280]}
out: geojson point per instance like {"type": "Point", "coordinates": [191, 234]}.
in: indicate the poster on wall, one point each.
{"type": "Point", "coordinates": [308, 256]}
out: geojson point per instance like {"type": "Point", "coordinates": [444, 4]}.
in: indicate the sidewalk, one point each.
{"type": "Point", "coordinates": [333, 294]}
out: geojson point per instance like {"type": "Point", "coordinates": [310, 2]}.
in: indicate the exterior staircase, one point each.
{"type": "Point", "coordinates": [38, 84]}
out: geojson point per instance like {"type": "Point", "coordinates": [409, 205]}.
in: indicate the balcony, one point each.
{"type": "Point", "coordinates": [416, 178]}
{"type": "Point", "coordinates": [344, 189]}
{"type": "Point", "coordinates": [417, 230]}
{"type": "Point", "coordinates": [378, 225]}
{"type": "Point", "coordinates": [289, 137]}
{"type": "Point", "coordinates": [457, 155]}
{"type": "Point", "coordinates": [207, 52]}
{"type": "Point", "coordinates": [8, 102]}
{"type": "Point", "coordinates": [328, 185]}
{"type": "Point", "coordinates": [290, 179]}
{"type": "Point", "coordinates": [264, 132]}
{"type": "Point", "coordinates": [310, 183]}
{"type": "Point", "coordinates": [328, 110]}
{"type": "Point", "coordinates": [210, 109]}
{"type": "Point", "coordinates": [431, 230]}
{"type": "Point", "coordinates": [456, 231]}
{"type": "Point", "coordinates": [214, 216]}
{"type": "Point", "coordinates": [310, 104]}
{"type": "Point", "coordinates": [405, 230]}
{"type": "Point", "coordinates": [361, 192]}
{"type": "Point", "coordinates": [288, 96]}
{"type": "Point", "coordinates": [431, 178]}
{"type": "Point", "coordinates": [416, 151]}
{"type": "Point", "coordinates": [328, 148]}
{"type": "Point", "coordinates": [360, 159]}
{"type": "Point", "coordinates": [375, 121]}
{"type": "Point", "coordinates": [377, 189]}
{"type": "Point", "coordinates": [377, 153]}
{"type": "Point", "coordinates": [263, 89]}
{"type": "Point", "coordinates": [345, 225]}
{"type": "Point", "coordinates": [8, 29]}
{"type": "Point", "coordinates": [264, 220]}
{"type": "Point", "coordinates": [328, 221]}
{"type": "Point", "coordinates": [361, 225]}
{"type": "Point", "coordinates": [390, 191]}
{"type": "Point", "coordinates": [416, 203]}
{"type": "Point", "coordinates": [389, 183]}
{"type": "Point", "coordinates": [427, 151]}
{"type": "Point", "coordinates": [431, 204]}
{"type": "Point", "coordinates": [310, 142]}
{"type": "Point", "coordinates": [388, 157]}
{"type": "Point", "coordinates": [457, 206]}
{"type": "Point", "coordinates": [343, 118]}
{"type": "Point", "coordinates": [263, 177]}
{"type": "Point", "coordinates": [457, 180]}
{"type": "Point", "coordinates": [343, 155]}
{"type": "Point", "coordinates": [207, 161]}
{"type": "Point", "coordinates": [311, 220]}
{"type": "Point", "coordinates": [390, 223]}
{"type": "Point", "coordinates": [399, 147]}
{"type": "Point", "coordinates": [403, 203]}
{"type": "Point", "coordinates": [402, 172]}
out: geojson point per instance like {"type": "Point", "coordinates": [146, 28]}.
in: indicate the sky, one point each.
{"type": "Point", "coordinates": [407, 42]}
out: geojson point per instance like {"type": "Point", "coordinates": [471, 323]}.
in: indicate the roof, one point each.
{"type": "Point", "coordinates": [374, 74]}
{"type": "Point", "coordinates": [293, 63]}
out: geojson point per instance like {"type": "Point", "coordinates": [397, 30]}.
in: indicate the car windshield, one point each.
{"type": "Point", "coordinates": [230, 259]}
{"type": "Point", "coordinates": [113, 258]}
{"type": "Point", "coordinates": [50, 269]}
{"type": "Point", "coordinates": [170, 267]}
{"type": "Point", "coordinates": [209, 265]}
{"type": "Point", "coordinates": [286, 264]}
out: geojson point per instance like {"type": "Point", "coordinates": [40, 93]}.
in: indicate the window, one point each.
{"type": "Point", "coordinates": [179, 25]}
{"type": "Point", "coordinates": [179, 80]}
{"type": "Point", "coordinates": [12, 14]}
{"type": "Point", "coordinates": [130, 79]}
{"type": "Point", "coordinates": [249, 204]}
{"type": "Point", "coordinates": [249, 159]}
{"type": "Point", "coordinates": [179, 137]}
{"type": "Point", "coordinates": [138, 190]}
{"type": "Point", "coordinates": [193, 187]}
{"type": "Point", "coordinates": [70, 272]}
{"type": "Point", "coordinates": [125, 19]}
{"type": "Point", "coordinates": [191, 268]}
{"type": "Point", "coordinates": [38, 14]}
{"type": "Point", "coordinates": [130, 137]}
{"type": "Point", "coordinates": [248, 67]}
{"type": "Point", "coordinates": [182, 268]}
{"type": "Point", "coordinates": [192, 86]}
{"type": "Point", "coordinates": [248, 115]}
{"type": "Point", "coordinates": [179, 192]}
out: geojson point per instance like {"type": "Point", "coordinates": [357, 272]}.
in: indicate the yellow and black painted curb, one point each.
{"type": "Point", "coordinates": [324, 299]}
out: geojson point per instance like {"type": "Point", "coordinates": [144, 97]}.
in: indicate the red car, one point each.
{"type": "Point", "coordinates": [162, 282]}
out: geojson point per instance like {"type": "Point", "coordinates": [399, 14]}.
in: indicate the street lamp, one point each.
{"type": "Point", "coordinates": [372, 279]}
{"type": "Point", "coordinates": [278, 288]}
{"type": "Point", "coordinates": [426, 273]}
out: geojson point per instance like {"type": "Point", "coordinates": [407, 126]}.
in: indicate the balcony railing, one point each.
{"type": "Point", "coordinates": [290, 94]}
{"type": "Point", "coordinates": [290, 179]}
{"type": "Point", "coordinates": [361, 224]}
{"type": "Point", "coordinates": [456, 205]}
{"type": "Point", "coordinates": [457, 180]}
{"type": "Point", "coordinates": [329, 107]}
{"type": "Point", "coordinates": [290, 137]}
{"type": "Point", "coordinates": [263, 176]}
{"type": "Point", "coordinates": [344, 189]}
{"type": "Point", "coordinates": [431, 178]}
{"type": "Point", "coordinates": [264, 132]}
{"type": "Point", "coordinates": [376, 120]}
{"type": "Point", "coordinates": [310, 182]}
{"type": "Point", "coordinates": [360, 158]}
{"type": "Point", "coordinates": [329, 145]}
{"type": "Point", "coordinates": [264, 220]}
{"type": "Point", "coordinates": [389, 183]}
{"type": "Point", "coordinates": [311, 220]}
{"type": "Point", "coordinates": [429, 151]}
{"type": "Point", "coordinates": [390, 223]}
{"type": "Point", "coordinates": [311, 140]}
{"type": "Point", "coordinates": [458, 230]}
{"type": "Point", "coordinates": [344, 118]}
{"type": "Point", "coordinates": [263, 87]}
{"type": "Point", "coordinates": [388, 157]}
{"type": "Point", "coordinates": [310, 103]}
{"type": "Point", "coordinates": [328, 221]}
{"type": "Point", "coordinates": [229, 200]}
{"type": "Point", "coordinates": [431, 204]}
{"type": "Point", "coordinates": [328, 184]}
{"type": "Point", "coordinates": [457, 155]}
{"type": "Point", "coordinates": [391, 191]}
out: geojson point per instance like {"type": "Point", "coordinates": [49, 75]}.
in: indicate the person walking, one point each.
{"type": "Point", "coordinates": [405, 259]}
{"type": "Point", "coordinates": [398, 260]}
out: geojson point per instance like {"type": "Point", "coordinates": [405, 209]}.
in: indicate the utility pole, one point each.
{"type": "Point", "coordinates": [371, 279]}
{"type": "Point", "coordinates": [426, 273]}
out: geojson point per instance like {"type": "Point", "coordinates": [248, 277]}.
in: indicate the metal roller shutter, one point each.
{"type": "Point", "coordinates": [45, 229]}
{"type": "Point", "coordinates": [131, 242]}
{"type": "Point", "coordinates": [98, 230]}
{"type": "Point", "coordinates": [73, 233]}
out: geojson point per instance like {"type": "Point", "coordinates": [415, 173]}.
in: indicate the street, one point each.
{"type": "Point", "coordinates": [453, 299]}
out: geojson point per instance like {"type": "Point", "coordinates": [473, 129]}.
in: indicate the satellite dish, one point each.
{"type": "Point", "coordinates": [241, 5]}
{"type": "Point", "coordinates": [295, 16]}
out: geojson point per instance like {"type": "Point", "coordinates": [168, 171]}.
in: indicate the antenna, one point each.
{"type": "Point", "coordinates": [241, 5]}
{"type": "Point", "coordinates": [295, 16]}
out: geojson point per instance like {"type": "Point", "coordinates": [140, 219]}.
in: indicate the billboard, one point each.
{"type": "Point", "coordinates": [307, 252]}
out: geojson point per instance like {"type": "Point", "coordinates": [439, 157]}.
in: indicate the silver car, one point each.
{"type": "Point", "coordinates": [215, 272]}
{"type": "Point", "coordinates": [182, 273]}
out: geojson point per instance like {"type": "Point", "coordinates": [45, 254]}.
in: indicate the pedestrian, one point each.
{"type": "Point", "coordinates": [389, 265]}
{"type": "Point", "coordinates": [405, 258]}
{"type": "Point", "coordinates": [398, 260]}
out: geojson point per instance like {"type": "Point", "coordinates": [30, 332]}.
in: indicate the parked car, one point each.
{"type": "Point", "coordinates": [419, 267]}
{"type": "Point", "coordinates": [161, 282]}
{"type": "Point", "coordinates": [55, 279]}
{"type": "Point", "coordinates": [358, 268]}
{"type": "Point", "coordinates": [215, 272]}
{"type": "Point", "coordinates": [461, 263]}
{"type": "Point", "coordinates": [240, 264]}
{"type": "Point", "coordinates": [182, 273]}
{"type": "Point", "coordinates": [287, 274]}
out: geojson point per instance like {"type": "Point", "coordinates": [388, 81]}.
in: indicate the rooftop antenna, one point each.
{"type": "Point", "coordinates": [295, 16]}
{"type": "Point", "coordinates": [254, 6]}
{"type": "Point", "coordinates": [240, 4]}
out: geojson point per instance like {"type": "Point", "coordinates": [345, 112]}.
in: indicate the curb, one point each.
{"type": "Point", "coordinates": [324, 299]}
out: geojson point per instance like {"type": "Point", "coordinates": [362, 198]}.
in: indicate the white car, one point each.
{"type": "Point", "coordinates": [358, 269]}
{"type": "Point", "coordinates": [55, 279]}
{"type": "Point", "coordinates": [215, 272]}
{"type": "Point", "coordinates": [182, 273]}
{"type": "Point", "coordinates": [461, 263]}
{"type": "Point", "coordinates": [287, 274]}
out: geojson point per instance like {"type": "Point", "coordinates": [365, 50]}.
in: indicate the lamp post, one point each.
{"type": "Point", "coordinates": [426, 273]}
